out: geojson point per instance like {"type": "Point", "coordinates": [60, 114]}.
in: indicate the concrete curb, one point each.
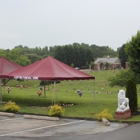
{"type": "Point", "coordinates": [106, 122]}
{"type": "Point", "coordinates": [40, 117]}
{"type": "Point", "coordinates": [7, 114]}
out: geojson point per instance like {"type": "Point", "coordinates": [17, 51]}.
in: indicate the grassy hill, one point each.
{"type": "Point", "coordinates": [96, 96]}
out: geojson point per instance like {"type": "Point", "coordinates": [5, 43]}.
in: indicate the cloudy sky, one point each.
{"type": "Point", "coordinates": [59, 22]}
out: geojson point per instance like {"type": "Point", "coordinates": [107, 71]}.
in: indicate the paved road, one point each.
{"type": "Point", "coordinates": [128, 133]}
{"type": "Point", "coordinates": [18, 128]}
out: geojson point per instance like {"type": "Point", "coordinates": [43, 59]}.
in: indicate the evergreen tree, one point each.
{"type": "Point", "coordinates": [60, 54]}
{"type": "Point", "coordinates": [131, 94]}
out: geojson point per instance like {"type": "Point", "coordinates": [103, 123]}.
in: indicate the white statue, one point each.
{"type": "Point", "coordinates": [123, 102]}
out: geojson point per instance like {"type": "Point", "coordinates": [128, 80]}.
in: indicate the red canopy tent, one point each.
{"type": "Point", "coordinates": [6, 66]}
{"type": "Point", "coordinates": [48, 69]}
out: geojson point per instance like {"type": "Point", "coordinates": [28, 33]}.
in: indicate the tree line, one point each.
{"type": "Point", "coordinates": [75, 55]}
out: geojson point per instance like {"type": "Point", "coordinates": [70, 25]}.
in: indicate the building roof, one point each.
{"type": "Point", "coordinates": [108, 60]}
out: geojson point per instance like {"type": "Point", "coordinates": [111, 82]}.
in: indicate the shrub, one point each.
{"type": "Point", "coordinates": [56, 110]}
{"type": "Point", "coordinates": [11, 107]}
{"type": "Point", "coordinates": [104, 114]}
{"type": "Point", "coordinates": [131, 94]}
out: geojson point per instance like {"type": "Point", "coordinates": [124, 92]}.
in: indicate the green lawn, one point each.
{"type": "Point", "coordinates": [93, 101]}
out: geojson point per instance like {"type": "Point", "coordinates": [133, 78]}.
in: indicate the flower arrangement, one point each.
{"type": "Point", "coordinates": [39, 92]}
{"type": "Point", "coordinates": [61, 103]}
{"type": "Point", "coordinates": [8, 89]}
{"type": "Point", "coordinates": [79, 93]}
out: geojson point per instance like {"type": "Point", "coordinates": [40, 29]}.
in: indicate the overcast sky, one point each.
{"type": "Point", "coordinates": [59, 22]}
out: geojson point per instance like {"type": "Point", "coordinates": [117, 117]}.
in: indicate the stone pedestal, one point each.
{"type": "Point", "coordinates": [123, 115]}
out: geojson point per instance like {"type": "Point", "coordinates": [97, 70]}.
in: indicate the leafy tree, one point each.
{"type": "Point", "coordinates": [72, 65]}
{"type": "Point", "coordinates": [45, 50]}
{"type": "Point", "coordinates": [102, 51]}
{"type": "Point", "coordinates": [76, 55]}
{"type": "Point", "coordinates": [82, 56]}
{"type": "Point", "coordinates": [15, 56]}
{"type": "Point", "coordinates": [89, 55]}
{"type": "Point", "coordinates": [107, 65]}
{"type": "Point", "coordinates": [123, 56]}
{"type": "Point", "coordinates": [33, 57]}
{"type": "Point", "coordinates": [60, 54]}
{"type": "Point", "coordinates": [87, 65]}
{"type": "Point", "coordinates": [120, 78]}
{"type": "Point", "coordinates": [23, 50]}
{"type": "Point", "coordinates": [133, 52]}
{"type": "Point", "coordinates": [69, 53]}
{"type": "Point", "coordinates": [3, 53]}
{"type": "Point", "coordinates": [52, 51]}
{"type": "Point", "coordinates": [23, 60]}
{"type": "Point", "coordinates": [92, 65]}
{"type": "Point", "coordinates": [39, 51]}
{"type": "Point", "coordinates": [131, 93]}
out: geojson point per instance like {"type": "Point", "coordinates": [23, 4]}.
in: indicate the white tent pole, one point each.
{"type": "Point", "coordinates": [53, 101]}
{"type": "Point", "coordinates": [0, 90]}
{"type": "Point", "coordinates": [44, 91]}
{"type": "Point", "coordinates": [52, 97]}
{"type": "Point", "coordinates": [94, 90]}
{"type": "Point", "coordinates": [54, 93]}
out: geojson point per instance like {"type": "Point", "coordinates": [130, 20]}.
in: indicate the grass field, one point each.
{"type": "Point", "coordinates": [93, 100]}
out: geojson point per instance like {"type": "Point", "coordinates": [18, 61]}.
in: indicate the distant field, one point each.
{"type": "Point", "coordinates": [94, 98]}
